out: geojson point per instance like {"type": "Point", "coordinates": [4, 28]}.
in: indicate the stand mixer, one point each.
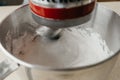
{"type": "Point", "coordinates": [83, 52]}
{"type": "Point", "coordinates": [57, 14]}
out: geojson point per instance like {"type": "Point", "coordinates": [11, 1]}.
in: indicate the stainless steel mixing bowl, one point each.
{"type": "Point", "coordinates": [104, 21]}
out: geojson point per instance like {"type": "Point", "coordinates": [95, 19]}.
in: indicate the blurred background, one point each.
{"type": "Point", "coordinates": [11, 2]}
{"type": "Point", "coordinates": [106, 0]}
{"type": "Point", "coordinates": [19, 2]}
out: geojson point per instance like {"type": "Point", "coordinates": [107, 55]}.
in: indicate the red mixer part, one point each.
{"type": "Point", "coordinates": [62, 13]}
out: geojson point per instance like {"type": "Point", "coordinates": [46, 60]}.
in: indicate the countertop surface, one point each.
{"type": "Point", "coordinates": [115, 74]}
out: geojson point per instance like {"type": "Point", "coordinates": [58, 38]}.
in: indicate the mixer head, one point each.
{"type": "Point", "coordinates": [61, 13]}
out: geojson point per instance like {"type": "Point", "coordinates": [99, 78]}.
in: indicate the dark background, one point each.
{"type": "Point", "coordinates": [10, 2]}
